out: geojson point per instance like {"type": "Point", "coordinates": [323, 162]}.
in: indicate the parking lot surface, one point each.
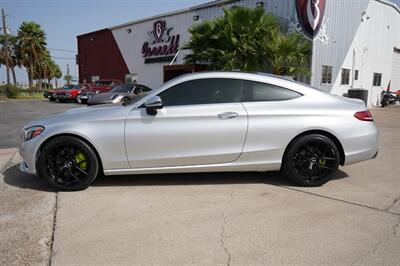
{"type": "Point", "coordinates": [15, 114]}
{"type": "Point", "coordinates": [223, 218]}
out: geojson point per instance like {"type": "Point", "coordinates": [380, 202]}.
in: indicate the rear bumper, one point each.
{"type": "Point", "coordinates": [362, 146]}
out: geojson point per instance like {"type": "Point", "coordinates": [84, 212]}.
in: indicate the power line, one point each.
{"type": "Point", "coordinates": [62, 50]}
{"type": "Point", "coordinates": [64, 58]}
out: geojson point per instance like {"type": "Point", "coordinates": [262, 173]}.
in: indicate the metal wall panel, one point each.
{"type": "Point", "coordinates": [342, 20]}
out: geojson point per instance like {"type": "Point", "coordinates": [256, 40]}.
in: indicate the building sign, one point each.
{"type": "Point", "coordinates": [310, 14]}
{"type": "Point", "coordinates": [162, 45]}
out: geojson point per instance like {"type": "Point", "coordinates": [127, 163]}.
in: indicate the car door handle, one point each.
{"type": "Point", "coordinates": [228, 115]}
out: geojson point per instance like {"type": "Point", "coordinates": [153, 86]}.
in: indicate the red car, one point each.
{"type": "Point", "coordinates": [51, 94]}
{"type": "Point", "coordinates": [103, 85]}
{"type": "Point", "coordinates": [68, 93]}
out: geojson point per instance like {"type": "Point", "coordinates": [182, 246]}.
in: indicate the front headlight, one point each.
{"type": "Point", "coordinates": [31, 132]}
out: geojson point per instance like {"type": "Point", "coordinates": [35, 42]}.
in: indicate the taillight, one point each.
{"type": "Point", "coordinates": [364, 116]}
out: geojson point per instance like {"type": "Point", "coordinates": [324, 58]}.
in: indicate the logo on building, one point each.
{"type": "Point", "coordinates": [310, 14]}
{"type": "Point", "coordinates": [162, 45]}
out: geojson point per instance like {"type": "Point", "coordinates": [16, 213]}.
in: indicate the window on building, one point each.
{"type": "Point", "coordinates": [203, 91]}
{"type": "Point", "coordinates": [327, 75]}
{"type": "Point", "coordinates": [263, 92]}
{"type": "Point", "coordinates": [345, 76]}
{"type": "Point", "coordinates": [356, 72]}
{"type": "Point", "coordinates": [377, 79]}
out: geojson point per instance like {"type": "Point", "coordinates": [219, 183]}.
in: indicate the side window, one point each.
{"type": "Point", "coordinates": [203, 91]}
{"type": "Point", "coordinates": [263, 92]}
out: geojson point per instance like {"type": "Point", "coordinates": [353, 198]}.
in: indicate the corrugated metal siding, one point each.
{"type": "Point", "coordinates": [343, 19]}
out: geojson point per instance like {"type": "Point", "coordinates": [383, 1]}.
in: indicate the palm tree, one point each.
{"type": "Point", "coordinates": [249, 40]}
{"type": "Point", "coordinates": [287, 54]}
{"type": "Point", "coordinates": [31, 47]}
{"type": "Point", "coordinates": [57, 74]}
{"type": "Point", "coordinates": [10, 55]}
{"type": "Point", "coordinates": [232, 41]}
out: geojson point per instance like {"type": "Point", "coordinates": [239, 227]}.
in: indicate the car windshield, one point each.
{"type": "Point", "coordinates": [68, 87]}
{"type": "Point", "coordinates": [102, 82]}
{"type": "Point", "coordinates": [123, 88]}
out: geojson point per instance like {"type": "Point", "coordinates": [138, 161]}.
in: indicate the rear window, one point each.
{"type": "Point", "coordinates": [124, 88]}
{"type": "Point", "coordinates": [264, 92]}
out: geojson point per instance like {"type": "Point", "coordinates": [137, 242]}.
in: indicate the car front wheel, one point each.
{"type": "Point", "coordinates": [68, 163]}
{"type": "Point", "coordinates": [311, 160]}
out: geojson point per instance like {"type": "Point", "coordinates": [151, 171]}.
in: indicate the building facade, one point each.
{"type": "Point", "coordinates": [356, 43]}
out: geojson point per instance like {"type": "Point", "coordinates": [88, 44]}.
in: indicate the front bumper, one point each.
{"type": "Point", "coordinates": [29, 151]}
{"type": "Point", "coordinates": [65, 97]}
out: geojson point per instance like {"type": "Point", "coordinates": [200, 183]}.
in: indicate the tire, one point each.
{"type": "Point", "coordinates": [311, 160]}
{"type": "Point", "coordinates": [384, 101]}
{"type": "Point", "coordinates": [84, 101]}
{"type": "Point", "coordinates": [68, 164]}
{"type": "Point", "coordinates": [52, 99]}
{"type": "Point", "coordinates": [125, 100]}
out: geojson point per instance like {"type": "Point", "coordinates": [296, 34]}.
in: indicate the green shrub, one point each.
{"type": "Point", "coordinates": [11, 91]}
{"type": "Point", "coordinates": [34, 90]}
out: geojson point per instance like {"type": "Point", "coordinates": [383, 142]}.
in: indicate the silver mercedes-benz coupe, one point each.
{"type": "Point", "coordinates": [205, 122]}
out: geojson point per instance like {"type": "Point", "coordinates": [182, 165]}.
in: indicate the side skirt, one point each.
{"type": "Point", "coordinates": [272, 166]}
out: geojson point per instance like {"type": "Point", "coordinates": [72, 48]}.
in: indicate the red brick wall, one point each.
{"type": "Point", "coordinates": [99, 55]}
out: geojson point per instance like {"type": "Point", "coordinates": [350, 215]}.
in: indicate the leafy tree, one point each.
{"type": "Point", "coordinates": [68, 79]}
{"type": "Point", "coordinates": [31, 47]}
{"type": "Point", "coordinates": [247, 39]}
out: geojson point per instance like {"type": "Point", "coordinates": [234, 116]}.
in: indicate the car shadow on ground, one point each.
{"type": "Point", "coordinates": [14, 177]}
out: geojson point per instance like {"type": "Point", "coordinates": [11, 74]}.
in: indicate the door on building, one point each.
{"type": "Point", "coordinates": [395, 85]}
{"type": "Point", "coordinates": [173, 71]}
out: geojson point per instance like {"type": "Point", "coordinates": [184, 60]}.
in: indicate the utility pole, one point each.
{"type": "Point", "coordinates": [68, 73]}
{"type": "Point", "coordinates": [6, 44]}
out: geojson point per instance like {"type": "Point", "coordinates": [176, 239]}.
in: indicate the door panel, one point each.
{"type": "Point", "coordinates": [186, 135]}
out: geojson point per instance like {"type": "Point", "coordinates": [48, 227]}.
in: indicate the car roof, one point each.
{"type": "Point", "coordinates": [280, 81]}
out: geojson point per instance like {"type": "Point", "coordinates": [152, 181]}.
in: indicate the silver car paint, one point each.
{"type": "Point", "coordinates": [194, 139]}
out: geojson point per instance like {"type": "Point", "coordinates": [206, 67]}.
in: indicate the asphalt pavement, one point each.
{"type": "Point", "coordinates": [15, 114]}
{"type": "Point", "coordinates": [207, 219]}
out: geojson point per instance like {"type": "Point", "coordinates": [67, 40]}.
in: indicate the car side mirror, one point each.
{"type": "Point", "coordinates": [153, 104]}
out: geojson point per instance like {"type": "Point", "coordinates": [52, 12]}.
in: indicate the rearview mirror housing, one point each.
{"type": "Point", "coordinates": [153, 104]}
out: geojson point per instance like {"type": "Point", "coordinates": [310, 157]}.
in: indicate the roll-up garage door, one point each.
{"type": "Point", "coordinates": [395, 86]}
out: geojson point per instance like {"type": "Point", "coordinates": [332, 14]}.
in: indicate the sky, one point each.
{"type": "Point", "coordinates": [63, 20]}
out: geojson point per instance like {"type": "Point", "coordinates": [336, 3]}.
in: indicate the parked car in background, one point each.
{"type": "Point", "coordinates": [100, 86]}
{"type": "Point", "coordinates": [119, 94]}
{"type": "Point", "coordinates": [68, 93]}
{"type": "Point", "coordinates": [205, 122]}
{"type": "Point", "coordinates": [51, 94]}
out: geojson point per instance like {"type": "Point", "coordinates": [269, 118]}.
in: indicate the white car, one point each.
{"type": "Point", "coordinates": [205, 122]}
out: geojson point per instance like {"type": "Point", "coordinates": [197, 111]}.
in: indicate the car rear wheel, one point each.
{"type": "Point", "coordinates": [125, 100]}
{"type": "Point", "coordinates": [68, 163]}
{"type": "Point", "coordinates": [311, 160]}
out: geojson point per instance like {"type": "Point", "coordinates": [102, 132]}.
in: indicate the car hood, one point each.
{"type": "Point", "coordinates": [84, 114]}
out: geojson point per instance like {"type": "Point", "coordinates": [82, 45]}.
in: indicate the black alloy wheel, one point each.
{"type": "Point", "coordinates": [68, 163]}
{"type": "Point", "coordinates": [311, 160]}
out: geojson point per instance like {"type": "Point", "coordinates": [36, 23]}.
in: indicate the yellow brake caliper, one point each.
{"type": "Point", "coordinates": [322, 162]}
{"type": "Point", "coordinates": [81, 160]}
